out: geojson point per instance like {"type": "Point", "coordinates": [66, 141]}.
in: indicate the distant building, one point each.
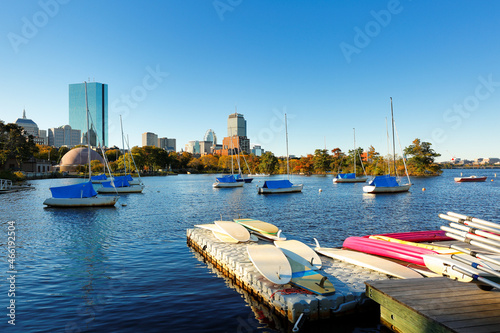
{"type": "Point", "coordinates": [235, 145]}
{"type": "Point", "coordinates": [206, 147]}
{"type": "Point", "coordinates": [257, 150]}
{"type": "Point", "coordinates": [491, 160]}
{"type": "Point", "coordinates": [97, 97]}
{"type": "Point", "coordinates": [210, 136]}
{"type": "Point", "coordinates": [193, 147]}
{"type": "Point", "coordinates": [64, 136]}
{"type": "Point", "coordinates": [236, 125]}
{"type": "Point", "coordinates": [167, 144]}
{"type": "Point", "coordinates": [31, 128]}
{"type": "Point", "coordinates": [42, 138]}
{"type": "Point", "coordinates": [28, 125]}
{"type": "Point", "coordinates": [149, 139]}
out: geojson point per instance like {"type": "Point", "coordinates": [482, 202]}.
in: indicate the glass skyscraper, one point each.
{"type": "Point", "coordinates": [97, 95]}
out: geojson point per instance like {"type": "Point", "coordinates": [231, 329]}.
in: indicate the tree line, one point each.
{"type": "Point", "coordinates": [419, 158]}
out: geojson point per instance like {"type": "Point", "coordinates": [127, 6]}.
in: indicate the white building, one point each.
{"type": "Point", "coordinates": [64, 136]}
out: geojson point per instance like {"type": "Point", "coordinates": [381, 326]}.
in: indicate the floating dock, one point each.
{"type": "Point", "coordinates": [435, 305]}
{"type": "Point", "coordinates": [286, 300]}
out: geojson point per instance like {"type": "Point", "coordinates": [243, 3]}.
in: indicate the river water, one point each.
{"type": "Point", "coordinates": [128, 268]}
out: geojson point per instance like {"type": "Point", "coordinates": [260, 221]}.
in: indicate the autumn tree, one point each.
{"type": "Point", "coordinates": [421, 159]}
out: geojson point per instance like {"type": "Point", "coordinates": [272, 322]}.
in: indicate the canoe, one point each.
{"type": "Point", "coordinates": [419, 236]}
{"type": "Point", "coordinates": [404, 252]}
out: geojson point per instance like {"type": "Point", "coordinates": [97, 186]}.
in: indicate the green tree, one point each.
{"type": "Point", "coordinates": [321, 160]}
{"type": "Point", "coordinates": [421, 161]}
{"type": "Point", "coordinates": [14, 145]}
{"type": "Point", "coordinates": [268, 163]}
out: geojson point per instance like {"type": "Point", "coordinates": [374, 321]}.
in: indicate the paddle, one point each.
{"type": "Point", "coordinates": [475, 265]}
{"type": "Point", "coordinates": [468, 235]}
{"type": "Point", "coordinates": [475, 254]}
{"type": "Point", "coordinates": [475, 277]}
{"type": "Point", "coordinates": [468, 223]}
{"type": "Point", "coordinates": [475, 231]}
{"type": "Point", "coordinates": [470, 241]}
{"type": "Point", "coordinates": [476, 220]}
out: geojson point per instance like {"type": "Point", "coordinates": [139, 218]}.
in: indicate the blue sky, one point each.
{"type": "Point", "coordinates": [178, 68]}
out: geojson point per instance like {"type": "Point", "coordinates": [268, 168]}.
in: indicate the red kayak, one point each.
{"type": "Point", "coordinates": [419, 236]}
{"type": "Point", "coordinates": [408, 253]}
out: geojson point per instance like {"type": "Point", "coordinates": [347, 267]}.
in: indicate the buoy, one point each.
{"type": "Point", "coordinates": [423, 189]}
{"type": "Point", "coordinates": [492, 180]}
{"type": "Point", "coordinates": [123, 205]}
{"type": "Point", "coordinates": [320, 190]}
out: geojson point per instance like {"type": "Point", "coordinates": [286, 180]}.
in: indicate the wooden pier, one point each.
{"type": "Point", "coordinates": [435, 305]}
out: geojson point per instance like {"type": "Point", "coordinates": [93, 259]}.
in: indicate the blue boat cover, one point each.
{"type": "Point", "coordinates": [128, 177]}
{"type": "Point", "coordinates": [285, 183]}
{"type": "Point", "coordinates": [384, 181]}
{"type": "Point", "coordinates": [346, 176]}
{"type": "Point", "coordinates": [99, 177]}
{"type": "Point", "coordinates": [238, 176]}
{"type": "Point", "coordinates": [81, 190]}
{"type": "Point", "coordinates": [118, 182]}
{"type": "Point", "coordinates": [226, 179]}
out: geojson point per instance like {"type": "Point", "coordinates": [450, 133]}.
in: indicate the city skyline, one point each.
{"type": "Point", "coordinates": [183, 67]}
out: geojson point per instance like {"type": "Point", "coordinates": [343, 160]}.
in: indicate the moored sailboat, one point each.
{"type": "Point", "coordinates": [388, 183]}
{"type": "Point", "coordinates": [82, 194]}
{"type": "Point", "coordinates": [351, 177]}
{"type": "Point", "coordinates": [284, 185]}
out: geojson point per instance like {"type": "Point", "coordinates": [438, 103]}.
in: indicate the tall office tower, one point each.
{"type": "Point", "coordinates": [97, 95]}
{"type": "Point", "coordinates": [236, 125]}
{"type": "Point", "coordinates": [210, 136]}
{"type": "Point", "coordinates": [149, 139]}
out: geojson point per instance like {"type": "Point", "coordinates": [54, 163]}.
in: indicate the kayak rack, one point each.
{"type": "Point", "coordinates": [233, 262]}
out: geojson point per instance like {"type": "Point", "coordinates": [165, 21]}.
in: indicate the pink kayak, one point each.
{"type": "Point", "coordinates": [419, 236]}
{"type": "Point", "coordinates": [408, 253]}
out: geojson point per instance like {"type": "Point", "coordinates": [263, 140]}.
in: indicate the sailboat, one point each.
{"type": "Point", "coordinates": [82, 194]}
{"type": "Point", "coordinates": [240, 177]}
{"type": "Point", "coordinates": [284, 185]}
{"type": "Point", "coordinates": [228, 181]}
{"type": "Point", "coordinates": [351, 177]}
{"type": "Point", "coordinates": [122, 184]}
{"type": "Point", "coordinates": [388, 183]}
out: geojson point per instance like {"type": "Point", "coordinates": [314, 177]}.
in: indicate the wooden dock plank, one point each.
{"type": "Point", "coordinates": [436, 305]}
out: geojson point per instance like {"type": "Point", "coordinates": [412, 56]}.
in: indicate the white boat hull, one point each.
{"type": "Point", "coordinates": [350, 180]}
{"type": "Point", "coordinates": [81, 202]}
{"type": "Point", "coordinates": [228, 185]}
{"type": "Point", "coordinates": [125, 189]}
{"type": "Point", "coordinates": [393, 189]}
{"type": "Point", "coordinates": [293, 189]}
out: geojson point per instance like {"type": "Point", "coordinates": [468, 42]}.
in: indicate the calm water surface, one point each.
{"type": "Point", "coordinates": [128, 268]}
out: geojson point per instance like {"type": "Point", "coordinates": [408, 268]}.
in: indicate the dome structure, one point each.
{"type": "Point", "coordinates": [76, 157]}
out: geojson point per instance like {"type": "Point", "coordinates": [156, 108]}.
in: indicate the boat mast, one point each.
{"type": "Point", "coordinates": [123, 145]}
{"type": "Point", "coordinates": [88, 135]}
{"type": "Point", "coordinates": [393, 142]}
{"type": "Point", "coordinates": [286, 135]}
{"type": "Point", "coordinates": [354, 151]}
